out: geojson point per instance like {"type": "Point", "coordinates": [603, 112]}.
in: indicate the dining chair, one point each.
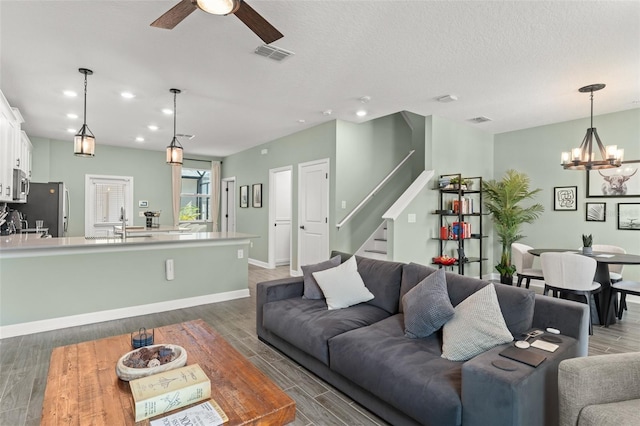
{"type": "Point", "coordinates": [523, 261]}
{"type": "Point", "coordinates": [624, 288]}
{"type": "Point", "coordinates": [615, 271]}
{"type": "Point", "coordinates": [571, 273]}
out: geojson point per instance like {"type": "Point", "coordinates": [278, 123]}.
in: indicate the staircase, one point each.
{"type": "Point", "coordinates": [376, 246]}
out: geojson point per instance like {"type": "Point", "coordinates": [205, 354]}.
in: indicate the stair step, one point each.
{"type": "Point", "coordinates": [376, 251]}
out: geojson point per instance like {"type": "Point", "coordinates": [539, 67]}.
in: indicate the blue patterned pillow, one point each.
{"type": "Point", "coordinates": [427, 306]}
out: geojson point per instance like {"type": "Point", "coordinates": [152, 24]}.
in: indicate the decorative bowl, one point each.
{"type": "Point", "coordinates": [447, 261]}
{"type": "Point", "coordinates": [128, 373]}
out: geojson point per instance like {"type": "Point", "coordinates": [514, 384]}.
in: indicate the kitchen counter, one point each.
{"type": "Point", "coordinates": [51, 283]}
{"type": "Point", "coordinates": [18, 245]}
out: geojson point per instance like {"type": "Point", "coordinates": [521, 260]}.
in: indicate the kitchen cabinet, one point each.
{"type": "Point", "coordinates": [15, 148]}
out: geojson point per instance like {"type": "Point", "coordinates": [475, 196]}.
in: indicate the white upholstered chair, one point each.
{"type": "Point", "coordinates": [523, 261]}
{"type": "Point", "coordinates": [615, 271]}
{"type": "Point", "coordinates": [571, 273]}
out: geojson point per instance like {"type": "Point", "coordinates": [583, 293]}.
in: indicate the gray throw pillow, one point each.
{"type": "Point", "coordinates": [476, 326]}
{"type": "Point", "coordinates": [427, 306]}
{"type": "Point", "coordinates": [311, 288]}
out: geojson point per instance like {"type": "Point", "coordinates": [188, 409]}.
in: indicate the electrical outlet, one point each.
{"type": "Point", "coordinates": [170, 272]}
{"type": "Point", "coordinates": [140, 214]}
{"type": "Point", "coordinates": [240, 253]}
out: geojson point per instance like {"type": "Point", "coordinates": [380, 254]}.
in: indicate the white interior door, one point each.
{"type": "Point", "coordinates": [228, 205]}
{"type": "Point", "coordinates": [280, 216]}
{"type": "Point", "coordinates": [313, 212]}
{"type": "Point", "coordinates": [105, 197]}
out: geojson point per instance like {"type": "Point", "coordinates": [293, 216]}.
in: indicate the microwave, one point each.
{"type": "Point", "coordinates": [20, 185]}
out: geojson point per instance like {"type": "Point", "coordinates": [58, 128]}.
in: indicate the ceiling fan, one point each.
{"type": "Point", "coordinates": [252, 19]}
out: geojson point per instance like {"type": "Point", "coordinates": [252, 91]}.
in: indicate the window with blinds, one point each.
{"type": "Point", "coordinates": [110, 198]}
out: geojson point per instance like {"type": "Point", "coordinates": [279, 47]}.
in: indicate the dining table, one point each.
{"type": "Point", "coordinates": [603, 259]}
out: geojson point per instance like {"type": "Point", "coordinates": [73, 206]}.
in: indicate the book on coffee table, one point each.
{"type": "Point", "coordinates": [206, 414]}
{"type": "Point", "coordinates": [167, 391]}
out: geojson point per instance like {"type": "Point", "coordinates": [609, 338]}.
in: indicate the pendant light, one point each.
{"type": "Point", "coordinates": [84, 143]}
{"type": "Point", "coordinates": [174, 150]}
{"type": "Point", "coordinates": [583, 157]}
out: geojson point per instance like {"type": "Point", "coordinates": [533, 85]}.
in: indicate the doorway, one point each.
{"type": "Point", "coordinates": [228, 205]}
{"type": "Point", "coordinates": [280, 216]}
{"type": "Point", "coordinates": [313, 212]}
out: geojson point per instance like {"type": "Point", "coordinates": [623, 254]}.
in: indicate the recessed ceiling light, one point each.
{"type": "Point", "coordinates": [327, 112]}
{"type": "Point", "coordinates": [447, 98]}
{"type": "Point", "coordinates": [361, 113]}
{"type": "Point", "coordinates": [127, 95]}
{"type": "Point", "coordinates": [365, 99]}
{"type": "Point", "coordinates": [72, 115]}
{"type": "Point", "coordinates": [70, 93]}
{"type": "Point", "coordinates": [302, 120]}
{"type": "Point", "coordinates": [139, 139]}
{"type": "Point", "coordinates": [167, 111]}
{"type": "Point", "coordinates": [71, 130]}
{"type": "Point", "coordinates": [152, 127]}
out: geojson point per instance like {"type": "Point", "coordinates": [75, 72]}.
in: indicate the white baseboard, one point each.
{"type": "Point", "coordinates": [259, 263]}
{"type": "Point", "coordinates": [113, 314]}
{"type": "Point", "coordinates": [295, 272]}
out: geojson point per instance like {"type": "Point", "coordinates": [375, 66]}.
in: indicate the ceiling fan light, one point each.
{"type": "Point", "coordinates": [218, 7]}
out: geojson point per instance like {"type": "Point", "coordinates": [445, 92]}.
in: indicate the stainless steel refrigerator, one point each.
{"type": "Point", "coordinates": [48, 202]}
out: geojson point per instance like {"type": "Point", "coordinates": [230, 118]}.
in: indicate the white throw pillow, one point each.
{"type": "Point", "coordinates": [477, 326]}
{"type": "Point", "coordinates": [343, 286]}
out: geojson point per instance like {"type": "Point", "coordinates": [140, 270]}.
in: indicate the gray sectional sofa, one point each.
{"type": "Point", "coordinates": [362, 350]}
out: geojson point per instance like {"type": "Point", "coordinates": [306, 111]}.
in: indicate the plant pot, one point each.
{"type": "Point", "coordinates": [587, 250]}
{"type": "Point", "coordinates": [506, 279]}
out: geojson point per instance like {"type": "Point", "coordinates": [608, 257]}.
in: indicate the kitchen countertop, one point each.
{"type": "Point", "coordinates": [19, 243]}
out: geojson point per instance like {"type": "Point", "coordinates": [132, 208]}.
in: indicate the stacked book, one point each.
{"type": "Point", "coordinates": [463, 205]}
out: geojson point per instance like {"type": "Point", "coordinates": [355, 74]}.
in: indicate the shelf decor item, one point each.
{"type": "Point", "coordinates": [177, 358]}
{"type": "Point", "coordinates": [503, 199]}
{"type": "Point", "coordinates": [587, 243]}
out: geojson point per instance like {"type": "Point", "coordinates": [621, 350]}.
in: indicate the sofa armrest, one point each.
{"type": "Point", "coordinates": [571, 318]}
{"type": "Point", "coordinates": [270, 291]}
{"type": "Point", "coordinates": [596, 380]}
{"type": "Point", "coordinates": [524, 396]}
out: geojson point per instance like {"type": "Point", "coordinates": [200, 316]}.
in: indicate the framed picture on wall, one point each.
{"type": "Point", "coordinates": [244, 196]}
{"type": "Point", "coordinates": [623, 181]}
{"type": "Point", "coordinates": [565, 198]}
{"type": "Point", "coordinates": [629, 216]}
{"type": "Point", "coordinates": [596, 212]}
{"type": "Point", "coordinates": [257, 195]}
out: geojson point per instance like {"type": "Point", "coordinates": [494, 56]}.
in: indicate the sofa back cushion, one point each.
{"type": "Point", "coordinates": [382, 278]}
{"type": "Point", "coordinates": [516, 304]}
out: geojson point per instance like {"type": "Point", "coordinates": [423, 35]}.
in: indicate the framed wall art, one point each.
{"type": "Point", "coordinates": [629, 216]}
{"type": "Point", "coordinates": [596, 212]}
{"type": "Point", "coordinates": [565, 198]}
{"type": "Point", "coordinates": [623, 181]}
{"type": "Point", "coordinates": [257, 195]}
{"type": "Point", "coordinates": [244, 196]}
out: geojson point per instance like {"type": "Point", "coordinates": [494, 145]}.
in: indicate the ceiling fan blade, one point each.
{"type": "Point", "coordinates": [257, 23]}
{"type": "Point", "coordinates": [175, 15]}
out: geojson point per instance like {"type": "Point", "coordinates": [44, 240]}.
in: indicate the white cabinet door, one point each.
{"type": "Point", "coordinates": [7, 145]}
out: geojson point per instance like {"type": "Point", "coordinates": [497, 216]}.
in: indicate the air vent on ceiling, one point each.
{"type": "Point", "coordinates": [481, 119]}
{"type": "Point", "coordinates": [273, 52]}
{"type": "Point", "coordinates": [184, 135]}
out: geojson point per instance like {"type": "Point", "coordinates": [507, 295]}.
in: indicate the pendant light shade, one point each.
{"type": "Point", "coordinates": [84, 143]}
{"type": "Point", "coordinates": [174, 150]}
{"type": "Point", "coordinates": [584, 157]}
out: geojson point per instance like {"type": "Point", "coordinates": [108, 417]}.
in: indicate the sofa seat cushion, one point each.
{"type": "Point", "coordinates": [408, 374]}
{"type": "Point", "coordinates": [307, 324]}
{"type": "Point", "coordinates": [611, 414]}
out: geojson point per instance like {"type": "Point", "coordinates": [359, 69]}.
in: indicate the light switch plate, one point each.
{"type": "Point", "coordinates": [240, 253]}
{"type": "Point", "coordinates": [411, 217]}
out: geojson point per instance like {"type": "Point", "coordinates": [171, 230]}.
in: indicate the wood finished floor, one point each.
{"type": "Point", "coordinates": [24, 360]}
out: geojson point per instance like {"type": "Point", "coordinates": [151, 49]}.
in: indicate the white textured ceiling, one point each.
{"type": "Point", "coordinates": [518, 62]}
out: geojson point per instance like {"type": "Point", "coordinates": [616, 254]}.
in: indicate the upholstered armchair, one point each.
{"type": "Point", "coordinates": [600, 390]}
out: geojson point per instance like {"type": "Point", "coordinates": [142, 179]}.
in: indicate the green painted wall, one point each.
{"type": "Point", "coordinates": [365, 154]}
{"type": "Point", "coordinates": [103, 281]}
{"type": "Point", "coordinates": [251, 166]}
{"type": "Point", "coordinates": [536, 151]}
{"type": "Point", "coordinates": [53, 161]}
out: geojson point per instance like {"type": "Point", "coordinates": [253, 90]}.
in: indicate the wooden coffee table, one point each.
{"type": "Point", "coordinates": [82, 386]}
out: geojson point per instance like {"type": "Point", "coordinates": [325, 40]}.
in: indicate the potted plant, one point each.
{"type": "Point", "coordinates": [457, 182]}
{"type": "Point", "coordinates": [502, 199]}
{"type": "Point", "coordinates": [587, 242]}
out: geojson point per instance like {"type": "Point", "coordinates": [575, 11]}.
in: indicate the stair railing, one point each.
{"type": "Point", "coordinates": [373, 192]}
